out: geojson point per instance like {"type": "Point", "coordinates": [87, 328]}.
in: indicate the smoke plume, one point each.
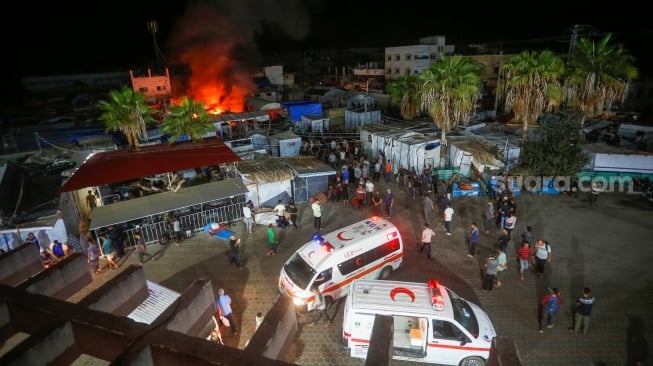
{"type": "Point", "coordinates": [216, 41]}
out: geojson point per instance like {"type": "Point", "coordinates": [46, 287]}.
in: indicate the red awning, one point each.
{"type": "Point", "coordinates": [128, 164]}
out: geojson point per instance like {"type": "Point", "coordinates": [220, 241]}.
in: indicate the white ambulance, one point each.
{"type": "Point", "coordinates": [371, 248]}
{"type": "Point", "coordinates": [431, 323]}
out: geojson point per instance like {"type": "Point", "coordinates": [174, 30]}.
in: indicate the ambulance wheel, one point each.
{"type": "Point", "coordinates": [473, 361]}
{"type": "Point", "coordinates": [385, 273]}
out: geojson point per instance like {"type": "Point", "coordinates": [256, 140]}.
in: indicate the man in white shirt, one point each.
{"type": "Point", "coordinates": [280, 210]}
{"type": "Point", "coordinates": [317, 215]}
{"type": "Point", "coordinates": [369, 189]}
{"type": "Point", "coordinates": [448, 215]}
{"type": "Point", "coordinates": [427, 237]}
{"type": "Point", "coordinates": [247, 214]}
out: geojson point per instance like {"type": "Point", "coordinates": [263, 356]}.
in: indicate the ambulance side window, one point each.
{"type": "Point", "coordinates": [444, 330]}
{"type": "Point", "coordinates": [324, 276]}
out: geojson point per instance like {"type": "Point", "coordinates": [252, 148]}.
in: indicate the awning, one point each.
{"type": "Point", "coordinates": [122, 165]}
{"type": "Point", "coordinates": [160, 203]}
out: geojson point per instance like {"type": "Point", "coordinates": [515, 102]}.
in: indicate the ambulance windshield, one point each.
{"type": "Point", "coordinates": [463, 313]}
{"type": "Point", "coordinates": [299, 272]}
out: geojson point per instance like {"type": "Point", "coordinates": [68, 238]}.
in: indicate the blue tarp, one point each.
{"type": "Point", "coordinates": [299, 108]}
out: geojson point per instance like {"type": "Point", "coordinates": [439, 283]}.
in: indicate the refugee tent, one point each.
{"type": "Point", "coordinates": [314, 123]}
{"type": "Point", "coordinates": [472, 152]}
{"type": "Point", "coordinates": [285, 144]}
{"type": "Point", "coordinates": [415, 150]}
{"type": "Point", "coordinates": [355, 118]}
{"type": "Point", "coordinates": [311, 177]}
{"type": "Point", "coordinates": [46, 229]}
{"type": "Point", "coordinates": [607, 158]}
{"type": "Point", "coordinates": [378, 138]}
{"type": "Point", "coordinates": [299, 108]}
{"type": "Point", "coordinates": [267, 179]}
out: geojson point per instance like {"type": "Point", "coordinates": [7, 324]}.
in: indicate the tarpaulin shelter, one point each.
{"type": "Point", "coordinates": [299, 108]}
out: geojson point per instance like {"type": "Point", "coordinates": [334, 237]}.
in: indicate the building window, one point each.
{"type": "Point", "coordinates": [408, 71]}
{"type": "Point", "coordinates": [408, 57]}
{"type": "Point", "coordinates": [433, 56]}
{"type": "Point", "coordinates": [161, 87]}
{"type": "Point", "coordinates": [388, 58]}
{"type": "Point", "coordinates": [143, 89]}
{"type": "Point", "coordinates": [421, 56]}
{"type": "Point", "coordinates": [389, 71]}
{"type": "Point", "coordinates": [397, 57]}
{"type": "Point", "coordinates": [396, 70]}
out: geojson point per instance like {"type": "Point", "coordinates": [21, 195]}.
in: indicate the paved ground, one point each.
{"type": "Point", "coordinates": [606, 247]}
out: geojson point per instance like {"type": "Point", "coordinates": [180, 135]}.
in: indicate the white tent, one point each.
{"type": "Point", "coordinates": [314, 123]}
{"type": "Point", "coordinates": [267, 179]}
{"type": "Point", "coordinates": [607, 158]}
{"type": "Point", "coordinates": [46, 230]}
{"type": "Point", "coordinates": [416, 151]}
{"type": "Point", "coordinates": [285, 144]}
{"type": "Point", "coordinates": [465, 151]}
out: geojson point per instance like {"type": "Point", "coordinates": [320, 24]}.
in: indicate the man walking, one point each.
{"type": "Point", "coordinates": [448, 215]}
{"type": "Point", "coordinates": [294, 213]}
{"type": "Point", "coordinates": [473, 240]}
{"type": "Point", "coordinates": [272, 240]}
{"type": "Point", "coordinates": [176, 229]}
{"type": "Point", "coordinates": [583, 311]}
{"type": "Point", "coordinates": [234, 245]}
{"type": "Point", "coordinates": [541, 255]}
{"type": "Point", "coordinates": [317, 215]}
{"type": "Point", "coordinates": [427, 238]}
{"type": "Point", "coordinates": [141, 248]}
{"type": "Point", "coordinates": [248, 220]}
{"type": "Point", "coordinates": [490, 272]}
{"type": "Point", "coordinates": [490, 214]}
{"type": "Point", "coordinates": [550, 304]}
{"type": "Point", "coordinates": [389, 202]}
{"type": "Point", "coordinates": [429, 208]}
{"type": "Point", "coordinates": [223, 303]}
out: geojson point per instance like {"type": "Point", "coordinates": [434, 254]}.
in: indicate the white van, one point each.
{"type": "Point", "coordinates": [371, 248]}
{"type": "Point", "coordinates": [431, 323]}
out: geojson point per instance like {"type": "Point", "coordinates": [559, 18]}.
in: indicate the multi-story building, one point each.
{"type": "Point", "coordinates": [412, 60]}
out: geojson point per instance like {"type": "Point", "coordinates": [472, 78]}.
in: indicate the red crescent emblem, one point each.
{"type": "Point", "coordinates": [339, 236]}
{"type": "Point", "coordinates": [402, 290]}
{"type": "Point", "coordinates": [311, 253]}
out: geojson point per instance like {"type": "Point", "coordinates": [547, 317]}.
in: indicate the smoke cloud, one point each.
{"type": "Point", "coordinates": [216, 41]}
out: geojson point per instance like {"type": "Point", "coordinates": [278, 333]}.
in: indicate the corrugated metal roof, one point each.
{"type": "Point", "coordinates": [155, 304]}
{"type": "Point", "coordinates": [128, 164]}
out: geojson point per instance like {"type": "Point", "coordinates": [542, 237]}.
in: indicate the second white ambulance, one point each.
{"type": "Point", "coordinates": [431, 323]}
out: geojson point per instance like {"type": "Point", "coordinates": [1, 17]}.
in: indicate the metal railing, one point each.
{"type": "Point", "coordinates": [194, 222]}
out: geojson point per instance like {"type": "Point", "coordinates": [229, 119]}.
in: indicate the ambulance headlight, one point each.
{"type": "Point", "coordinates": [297, 301]}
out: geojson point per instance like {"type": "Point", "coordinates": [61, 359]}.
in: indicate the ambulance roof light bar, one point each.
{"type": "Point", "coordinates": [436, 295]}
{"type": "Point", "coordinates": [318, 239]}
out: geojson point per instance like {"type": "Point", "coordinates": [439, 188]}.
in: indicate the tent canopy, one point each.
{"type": "Point", "coordinates": [161, 203]}
{"type": "Point", "coordinates": [127, 164]}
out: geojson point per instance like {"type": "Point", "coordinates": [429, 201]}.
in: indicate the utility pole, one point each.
{"type": "Point", "coordinates": [153, 27]}
{"type": "Point", "coordinates": [367, 93]}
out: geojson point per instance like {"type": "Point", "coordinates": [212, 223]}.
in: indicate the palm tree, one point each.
{"type": "Point", "coordinates": [405, 92]}
{"type": "Point", "coordinates": [127, 111]}
{"type": "Point", "coordinates": [532, 85]}
{"type": "Point", "coordinates": [449, 92]}
{"type": "Point", "coordinates": [187, 119]}
{"type": "Point", "coordinates": [598, 76]}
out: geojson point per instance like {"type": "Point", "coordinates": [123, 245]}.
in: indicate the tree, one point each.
{"type": "Point", "coordinates": [127, 111]}
{"type": "Point", "coordinates": [187, 119]}
{"type": "Point", "coordinates": [405, 92]}
{"type": "Point", "coordinates": [597, 76]}
{"type": "Point", "coordinates": [532, 85]}
{"type": "Point", "coordinates": [449, 92]}
{"type": "Point", "coordinates": [557, 151]}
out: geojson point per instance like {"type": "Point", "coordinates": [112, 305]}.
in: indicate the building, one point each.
{"type": "Point", "coordinates": [412, 60]}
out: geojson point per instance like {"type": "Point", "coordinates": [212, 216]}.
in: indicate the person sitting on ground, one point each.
{"type": "Point", "coordinates": [58, 249]}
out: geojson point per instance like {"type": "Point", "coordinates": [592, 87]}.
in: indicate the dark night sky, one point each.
{"type": "Point", "coordinates": [71, 37]}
